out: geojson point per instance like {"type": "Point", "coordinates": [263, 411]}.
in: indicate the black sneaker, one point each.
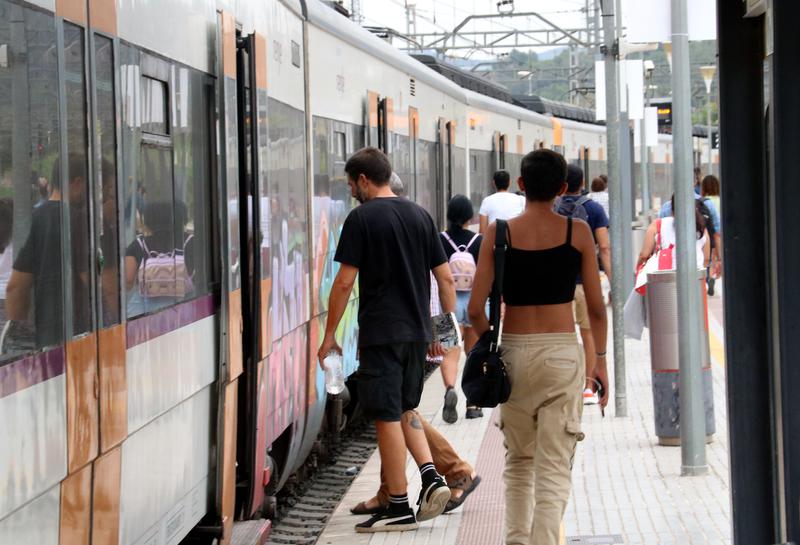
{"type": "Point", "coordinates": [387, 521]}
{"type": "Point", "coordinates": [432, 500]}
{"type": "Point", "coordinates": [711, 282]}
{"type": "Point", "coordinates": [449, 412]}
{"type": "Point", "coordinates": [474, 412]}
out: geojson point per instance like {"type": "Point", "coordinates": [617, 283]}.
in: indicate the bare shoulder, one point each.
{"type": "Point", "coordinates": [582, 234]}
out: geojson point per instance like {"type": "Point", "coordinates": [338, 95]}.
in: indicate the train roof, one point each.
{"type": "Point", "coordinates": [329, 20]}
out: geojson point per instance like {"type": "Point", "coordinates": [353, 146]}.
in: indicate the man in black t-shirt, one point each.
{"type": "Point", "coordinates": [392, 245]}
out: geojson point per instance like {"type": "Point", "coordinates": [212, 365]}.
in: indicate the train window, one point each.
{"type": "Point", "coordinates": [296, 54]}
{"type": "Point", "coordinates": [340, 145]}
{"type": "Point", "coordinates": [167, 185]}
{"type": "Point", "coordinates": [76, 191]}
{"type": "Point", "coordinates": [107, 240]}
{"type": "Point", "coordinates": [192, 177]}
{"type": "Point", "coordinates": [155, 112]}
{"type": "Point", "coordinates": [31, 304]}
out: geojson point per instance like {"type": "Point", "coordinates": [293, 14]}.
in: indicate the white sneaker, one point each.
{"type": "Point", "coordinates": [590, 397]}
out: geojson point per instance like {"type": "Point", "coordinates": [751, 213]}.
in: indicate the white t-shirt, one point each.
{"type": "Point", "coordinates": [502, 205]}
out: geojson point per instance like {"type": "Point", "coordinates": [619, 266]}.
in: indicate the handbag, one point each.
{"type": "Point", "coordinates": [485, 380]}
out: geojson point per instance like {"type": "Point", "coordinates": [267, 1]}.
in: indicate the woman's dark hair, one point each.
{"type": "Point", "coordinates": [502, 179]}
{"type": "Point", "coordinates": [598, 184]}
{"type": "Point", "coordinates": [544, 173]}
{"type": "Point", "coordinates": [459, 212]}
{"type": "Point", "coordinates": [699, 221]}
{"type": "Point", "coordinates": [709, 187]}
{"type": "Point", "coordinates": [372, 163]}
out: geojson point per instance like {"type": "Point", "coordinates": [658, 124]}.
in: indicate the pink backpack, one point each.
{"type": "Point", "coordinates": [462, 264]}
{"type": "Point", "coordinates": [164, 274]}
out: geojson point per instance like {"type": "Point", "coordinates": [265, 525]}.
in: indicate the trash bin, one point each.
{"type": "Point", "coordinates": [662, 320]}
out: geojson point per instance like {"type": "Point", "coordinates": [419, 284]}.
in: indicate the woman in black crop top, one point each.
{"type": "Point", "coordinates": [545, 362]}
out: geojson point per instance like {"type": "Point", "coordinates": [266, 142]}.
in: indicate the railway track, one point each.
{"type": "Point", "coordinates": [303, 513]}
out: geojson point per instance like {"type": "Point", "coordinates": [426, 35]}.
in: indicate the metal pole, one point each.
{"type": "Point", "coordinates": [708, 124]}
{"type": "Point", "coordinates": [626, 169]}
{"type": "Point", "coordinates": [645, 160]}
{"type": "Point", "coordinates": [692, 412]}
{"type": "Point", "coordinates": [615, 205]}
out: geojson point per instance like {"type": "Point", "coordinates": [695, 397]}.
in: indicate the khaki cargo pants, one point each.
{"type": "Point", "coordinates": [541, 424]}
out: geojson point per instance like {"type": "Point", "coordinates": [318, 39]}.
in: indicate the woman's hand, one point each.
{"type": "Point", "coordinates": [601, 374]}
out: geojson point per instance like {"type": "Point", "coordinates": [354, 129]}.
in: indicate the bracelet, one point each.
{"type": "Point", "coordinates": [600, 354]}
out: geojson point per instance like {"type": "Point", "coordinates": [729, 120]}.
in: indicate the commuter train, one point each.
{"type": "Point", "coordinates": [171, 198]}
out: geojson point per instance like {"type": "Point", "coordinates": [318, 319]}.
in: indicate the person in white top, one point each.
{"type": "Point", "coordinates": [599, 192]}
{"type": "Point", "coordinates": [502, 205]}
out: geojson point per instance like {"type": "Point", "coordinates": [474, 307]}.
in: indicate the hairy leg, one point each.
{"type": "Point", "coordinates": [415, 439]}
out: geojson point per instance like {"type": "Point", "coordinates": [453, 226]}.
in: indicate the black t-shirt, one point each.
{"type": "Point", "coordinates": [394, 244]}
{"type": "Point", "coordinates": [461, 237]}
{"type": "Point", "coordinates": [41, 257]}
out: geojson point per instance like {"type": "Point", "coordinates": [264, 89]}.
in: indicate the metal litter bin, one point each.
{"type": "Point", "coordinates": [662, 320]}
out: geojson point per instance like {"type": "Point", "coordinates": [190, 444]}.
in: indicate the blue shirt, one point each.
{"type": "Point", "coordinates": [596, 219]}
{"type": "Point", "coordinates": [597, 214]}
{"type": "Point", "coordinates": [666, 211]}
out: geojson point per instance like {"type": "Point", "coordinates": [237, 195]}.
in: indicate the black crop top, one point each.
{"type": "Point", "coordinates": [541, 277]}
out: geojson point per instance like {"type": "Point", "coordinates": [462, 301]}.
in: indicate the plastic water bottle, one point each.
{"type": "Point", "coordinates": [334, 374]}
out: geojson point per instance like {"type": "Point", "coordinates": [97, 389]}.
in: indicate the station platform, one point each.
{"type": "Point", "coordinates": [626, 488]}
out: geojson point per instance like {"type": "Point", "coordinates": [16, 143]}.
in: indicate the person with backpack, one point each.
{"type": "Point", "coordinates": [577, 206]}
{"type": "Point", "coordinates": [461, 247]}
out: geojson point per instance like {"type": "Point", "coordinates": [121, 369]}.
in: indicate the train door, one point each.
{"type": "Point", "coordinates": [585, 158]}
{"type": "Point", "coordinates": [498, 152]}
{"type": "Point", "coordinates": [253, 210]}
{"type": "Point", "coordinates": [443, 185]}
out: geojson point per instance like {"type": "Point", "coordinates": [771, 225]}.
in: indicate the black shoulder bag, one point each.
{"type": "Point", "coordinates": [485, 381]}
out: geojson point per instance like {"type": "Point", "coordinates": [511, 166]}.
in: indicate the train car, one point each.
{"type": "Point", "coordinates": [171, 198]}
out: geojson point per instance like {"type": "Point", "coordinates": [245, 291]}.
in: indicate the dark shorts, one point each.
{"type": "Point", "coordinates": [390, 378]}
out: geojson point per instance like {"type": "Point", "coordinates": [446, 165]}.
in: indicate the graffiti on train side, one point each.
{"type": "Point", "coordinates": [329, 215]}
{"type": "Point", "coordinates": [286, 398]}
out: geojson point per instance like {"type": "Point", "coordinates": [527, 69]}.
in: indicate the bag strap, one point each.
{"type": "Point", "coordinates": [473, 239]}
{"type": "Point", "coordinates": [582, 200]}
{"type": "Point", "coordinates": [450, 240]}
{"type": "Point", "coordinates": [497, 287]}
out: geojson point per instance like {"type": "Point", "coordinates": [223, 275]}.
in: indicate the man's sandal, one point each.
{"type": "Point", "coordinates": [466, 485]}
{"type": "Point", "coordinates": [362, 509]}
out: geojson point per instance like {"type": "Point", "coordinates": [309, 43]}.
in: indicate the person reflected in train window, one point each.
{"type": "Point", "coordinates": [391, 245]}
{"type": "Point", "coordinates": [503, 204]}
{"type": "Point", "coordinates": [6, 252]}
{"type": "Point", "coordinates": [109, 253]}
{"type": "Point", "coordinates": [37, 271]}
{"type": "Point", "coordinates": [159, 262]}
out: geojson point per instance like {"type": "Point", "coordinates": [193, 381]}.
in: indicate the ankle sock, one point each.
{"type": "Point", "coordinates": [428, 473]}
{"type": "Point", "coordinates": [399, 503]}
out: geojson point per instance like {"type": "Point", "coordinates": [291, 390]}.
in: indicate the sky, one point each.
{"type": "Point", "coordinates": [443, 15]}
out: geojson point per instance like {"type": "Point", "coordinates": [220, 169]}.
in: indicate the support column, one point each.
{"type": "Point", "coordinates": [615, 206]}
{"type": "Point", "coordinates": [692, 415]}
{"type": "Point", "coordinates": [742, 154]}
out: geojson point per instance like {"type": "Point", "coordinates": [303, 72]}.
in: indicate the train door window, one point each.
{"type": "Point", "coordinates": [383, 126]}
{"type": "Point", "coordinates": [155, 115]}
{"type": "Point", "coordinates": [502, 151]}
{"type": "Point", "coordinates": [75, 188]}
{"type": "Point", "coordinates": [31, 294]}
{"type": "Point", "coordinates": [192, 136]}
{"type": "Point", "coordinates": [105, 176]}
{"type": "Point", "coordinates": [339, 145]}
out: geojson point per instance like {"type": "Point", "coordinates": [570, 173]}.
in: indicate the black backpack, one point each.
{"type": "Point", "coordinates": [573, 208]}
